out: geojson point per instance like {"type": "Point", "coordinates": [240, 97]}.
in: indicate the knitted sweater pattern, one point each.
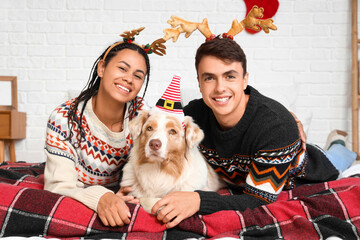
{"type": "Point", "coordinates": [101, 154]}
{"type": "Point", "coordinates": [262, 154]}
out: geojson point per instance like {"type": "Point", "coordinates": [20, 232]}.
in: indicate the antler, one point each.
{"type": "Point", "coordinates": [180, 25]}
{"type": "Point", "coordinates": [251, 21]}
{"type": "Point", "coordinates": [185, 27]}
{"type": "Point", "coordinates": [132, 33]}
{"type": "Point", "coordinates": [158, 47]}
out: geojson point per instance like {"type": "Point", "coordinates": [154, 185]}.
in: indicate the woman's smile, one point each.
{"type": "Point", "coordinates": [122, 88]}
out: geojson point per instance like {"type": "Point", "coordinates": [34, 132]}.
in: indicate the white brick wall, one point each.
{"type": "Point", "coordinates": [50, 46]}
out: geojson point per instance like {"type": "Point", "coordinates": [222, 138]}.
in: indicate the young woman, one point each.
{"type": "Point", "coordinates": [88, 138]}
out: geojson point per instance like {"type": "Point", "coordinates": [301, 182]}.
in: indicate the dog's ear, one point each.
{"type": "Point", "coordinates": [193, 133]}
{"type": "Point", "coordinates": [136, 124]}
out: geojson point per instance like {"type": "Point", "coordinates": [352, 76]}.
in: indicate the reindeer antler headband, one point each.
{"type": "Point", "coordinates": [251, 21]}
{"type": "Point", "coordinates": [156, 47]}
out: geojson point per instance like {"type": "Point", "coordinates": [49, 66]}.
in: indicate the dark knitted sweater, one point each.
{"type": "Point", "coordinates": [259, 157]}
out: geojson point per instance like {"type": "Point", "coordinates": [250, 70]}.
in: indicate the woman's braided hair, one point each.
{"type": "Point", "coordinates": [92, 88]}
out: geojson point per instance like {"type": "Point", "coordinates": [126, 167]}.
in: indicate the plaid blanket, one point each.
{"type": "Point", "coordinates": [307, 212]}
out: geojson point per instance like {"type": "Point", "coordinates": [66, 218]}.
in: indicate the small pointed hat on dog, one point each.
{"type": "Point", "coordinates": [170, 101]}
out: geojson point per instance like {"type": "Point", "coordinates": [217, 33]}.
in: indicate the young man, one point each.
{"type": "Point", "coordinates": [251, 141]}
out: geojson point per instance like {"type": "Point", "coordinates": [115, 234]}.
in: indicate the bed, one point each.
{"type": "Point", "coordinates": [318, 211]}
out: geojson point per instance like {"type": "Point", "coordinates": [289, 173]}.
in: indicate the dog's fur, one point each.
{"type": "Point", "coordinates": [165, 158]}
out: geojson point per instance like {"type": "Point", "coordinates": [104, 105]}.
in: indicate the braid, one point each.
{"type": "Point", "coordinates": [92, 87]}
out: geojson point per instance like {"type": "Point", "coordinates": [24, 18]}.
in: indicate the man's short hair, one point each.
{"type": "Point", "coordinates": [223, 48]}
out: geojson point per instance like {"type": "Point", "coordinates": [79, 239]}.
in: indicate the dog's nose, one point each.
{"type": "Point", "coordinates": [155, 144]}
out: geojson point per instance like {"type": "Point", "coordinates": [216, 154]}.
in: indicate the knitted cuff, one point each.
{"type": "Point", "coordinates": [210, 202]}
{"type": "Point", "coordinates": [91, 196]}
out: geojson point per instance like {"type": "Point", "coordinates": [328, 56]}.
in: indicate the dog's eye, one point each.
{"type": "Point", "coordinates": [172, 132]}
{"type": "Point", "coordinates": [149, 128]}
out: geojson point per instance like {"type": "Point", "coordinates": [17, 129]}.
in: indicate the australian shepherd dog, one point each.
{"type": "Point", "coordinates": [165, 158]}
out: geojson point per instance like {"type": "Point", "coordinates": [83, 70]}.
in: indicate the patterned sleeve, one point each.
{"type": "Point", "coordinates": [60, 173]}
{"type": "Point", "coordinates": [269, 172]}
{"type": "Point", "coordinates": [268, 175]}
{"type": "Point", "coordinates": [57, 131]}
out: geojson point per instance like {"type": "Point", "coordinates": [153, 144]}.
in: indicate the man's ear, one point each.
{"type": "Point", "coordinates": [101, 68]}
{"type": "Point", "coordinates": [246, 79]}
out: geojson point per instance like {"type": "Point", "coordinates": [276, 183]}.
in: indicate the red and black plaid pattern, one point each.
{"type": "Point", "coordinates": [307, 212]}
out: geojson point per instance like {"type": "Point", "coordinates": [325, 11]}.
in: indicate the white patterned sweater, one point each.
{"type": "Point", "coordinates": [87, 172]}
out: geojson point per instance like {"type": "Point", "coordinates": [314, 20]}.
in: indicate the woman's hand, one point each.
{"type": "Point", "coordinates": [123, 193]}
{"type": "Point", "coordinates": [112, 210]}
{"type": "Point", "coordinates": [301, 131]}
{"type": "Point", "coordinates": [176, 206]}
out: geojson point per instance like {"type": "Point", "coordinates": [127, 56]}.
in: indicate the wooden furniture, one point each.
{"type": "Point", "coordinates": [12, 127]}
{"type": "Point", "coordinates": [355, 77]}
{"type": "Point", "coordinates": [12, 122]}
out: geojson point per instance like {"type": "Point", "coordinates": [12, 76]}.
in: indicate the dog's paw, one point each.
{"type": "Point", "coordinates": [147, 203]}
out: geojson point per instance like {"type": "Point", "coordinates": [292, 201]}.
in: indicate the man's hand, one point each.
{"type": "Point", "coordinates": [176, 206]}
{"type": "Point", "coordinates": [112, 210]}
{"type": "Point", "coordinates": [301, 131]}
